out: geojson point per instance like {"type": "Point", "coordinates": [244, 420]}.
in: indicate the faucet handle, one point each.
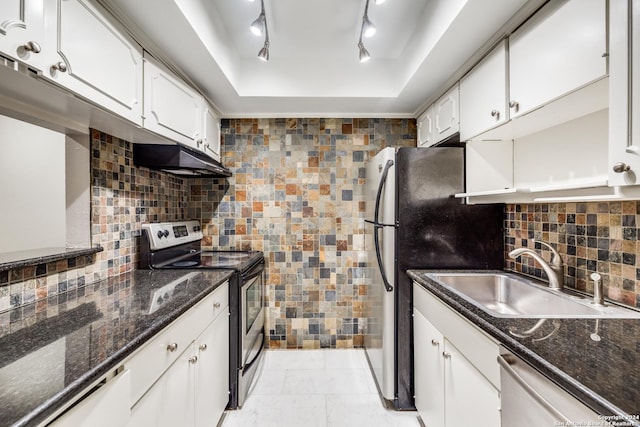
{"type": "Point", "coordinates": [556, 259]}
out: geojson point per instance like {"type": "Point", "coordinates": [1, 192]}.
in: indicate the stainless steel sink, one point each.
{"type": "Point", "coordinates": [508, 295]}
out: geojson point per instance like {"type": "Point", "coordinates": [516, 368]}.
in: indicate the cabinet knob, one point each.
{"type": "Point", "coordinates": [446, 355]}
{"type": "Point", "coordinates": [435, 342]}
{"type": "Point", "coordinates": [621, 167]}
{"type": "Point", "coordinates": [203, 347]}
{"type": "Point", "coordinates": [216, 304]}
{"type": "Point", "coordinates": [193, 360]}
{"type": "Point", "coordinates": [514, 105]}
{"type": "Point", "coordinates": [495, 114]}
{"type": "Point", "coordinates": [172, 347]}
{"type": "Point", "coordinates": [60, 66]}
{"type": "Point", "coordinates": [31, 46]}
{"type": "Point", "coordinates": [198, 141]}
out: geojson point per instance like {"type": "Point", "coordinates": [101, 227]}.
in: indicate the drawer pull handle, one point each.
{"type": "Point", "coordinates": [172, 347]}
{"type": "Point", "coordinates": [193, 360]}
{"type": "Point", "coordinates": [495, 114]}
{"type": "Point", "coordinates": [446, 355]}
{"type": "Point", "coordinates": [31, 46]}
{"type": "Point", "coordinates": [435, 342]}
{"type": "Point", "coordinates": [203, 347]}
{"type": "Point", "coordinates": [216, 304]}
{"type": "Point", "coordinates": [60, 66]}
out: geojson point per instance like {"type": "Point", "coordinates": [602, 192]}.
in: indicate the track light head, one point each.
{"type": "Point", "coordinates": [264, 52]}
{"type": "Point", "coordinates": [363, 54]}
{"type": "Point", "coordinates": [257, 26]}
{"type": "Point", "coordinates": [368, 28]}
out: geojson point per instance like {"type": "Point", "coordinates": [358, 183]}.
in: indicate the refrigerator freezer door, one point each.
{"type": "Point", "coordinates": [379, 334]}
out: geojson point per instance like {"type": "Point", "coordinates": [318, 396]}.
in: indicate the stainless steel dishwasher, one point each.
{"type": "Point", "coordinates": [529, 399]}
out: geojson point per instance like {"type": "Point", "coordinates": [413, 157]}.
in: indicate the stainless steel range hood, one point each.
{"type": "Point", "coordinates": [178, 160]}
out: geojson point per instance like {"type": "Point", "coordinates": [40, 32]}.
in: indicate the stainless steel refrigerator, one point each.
{"type": "Point", "coordinates": [413, 221]}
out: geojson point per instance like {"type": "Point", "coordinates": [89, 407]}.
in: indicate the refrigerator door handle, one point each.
{"type": "Point", "coordinates": [383, 180]}
{"type": "Point", "coordinates": [385, 281]}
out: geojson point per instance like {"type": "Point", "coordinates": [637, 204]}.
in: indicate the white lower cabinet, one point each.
{"type": "Point", "coordinates": [457, 384]}
{"type": "Point", "coordinates": [194, 388]}
{"type": "Point", "coordinates": [107, 406]}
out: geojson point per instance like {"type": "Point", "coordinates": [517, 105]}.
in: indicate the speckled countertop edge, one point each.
{"type": "Point", "coordinates": [73, 390]}
{"type": "Point", "coordinates": [587, 396]}
{"type": "Point", "coordinates": [11, 261]}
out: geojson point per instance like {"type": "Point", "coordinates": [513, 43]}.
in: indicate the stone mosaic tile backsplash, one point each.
{"type": "Point", "coordinates": [296, 195]}
{"type": "Point", "coordinates": [591, 237]}
{"type": "Point", "coordinates": [123, 197]}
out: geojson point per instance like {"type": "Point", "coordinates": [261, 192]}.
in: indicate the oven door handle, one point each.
{"type": "Point", "coordinates": [247, 366]}
{"type": "Point", "coordinates": [254, 272]}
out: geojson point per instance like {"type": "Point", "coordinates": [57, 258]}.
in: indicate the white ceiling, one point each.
{"type": "Point", "coordinates": [313, 69]}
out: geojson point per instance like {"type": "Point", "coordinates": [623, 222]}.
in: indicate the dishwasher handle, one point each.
{"type": "Point", "coordinates": [504, 363]}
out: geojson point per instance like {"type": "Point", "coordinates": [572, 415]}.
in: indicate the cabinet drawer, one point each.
{"type": "Point", "coordinates": [149, 362]}
{"type": "Point", "coordinates": [479, 349]}
{"type": "Point", "coordinates": [219, 300]}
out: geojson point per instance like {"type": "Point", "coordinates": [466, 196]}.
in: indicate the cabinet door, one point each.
{"type": "Point", "coordinates": [483, 95]}
{"type": "Point", "coordinates": [212, 374]}
{"type": "Point", "coordinates": [171, 108]}
{"type": "Point", "coordinates": [22, 29]}
{"type": "Point", "coordinates": [425, 128]}
{"type": "Point", "coordinates": [428, 370]}
{"type": "Point", "coordinates": [559, 50]}
{"type": "Point", "coordinates": [624, 93]}
{"type": "Point", "coordinates": [446, 112]}
{"type": "Point", "coordinates": [211, 133]}
{"type": "Point", "coordinates": [169, 402]}
{"type": "Point", "coordinates": [90, 56]}
{"type": "Point", "coordinates": [470, 399]}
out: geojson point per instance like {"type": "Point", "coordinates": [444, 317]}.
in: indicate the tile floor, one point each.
{"type": "Point", "coordinates": [309, 388]}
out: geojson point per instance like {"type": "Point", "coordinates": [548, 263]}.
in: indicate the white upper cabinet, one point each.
{"type": "Point", "coordinates": [425, 128]}
{"type": "Point", "coordinates": [483, 94]}
{"type": "Point", "coordinates": [446, 113]}
{"type": "Point", "coordinates": [171, 108]}
{"type": "Point", "coordinates": [562, 48]}
{"type": "Point", "coordinates": [90, 56]}
{"type": "Point", "coordinates": [624, 95]}
{"type": "Point", "coordinates": [22, 30]}
{"type": "Point", "coordinates": [211, 133]}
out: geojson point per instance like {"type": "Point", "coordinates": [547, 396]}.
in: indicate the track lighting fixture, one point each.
{"type": "Point", "coordinates": [258, 27]}
{"type": "Point", "coordinates": [264, 52]}
{"type": "Point", "coordinates": [367, 29]}
{"type": "Point", "coordinates": [364, 54]}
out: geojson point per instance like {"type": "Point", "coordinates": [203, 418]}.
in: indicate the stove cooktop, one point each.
{"type": "Point", "coordinates": [218, 259]}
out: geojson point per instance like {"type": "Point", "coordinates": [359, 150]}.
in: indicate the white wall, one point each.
{"type": "Point", "coordinates": [32, 187]}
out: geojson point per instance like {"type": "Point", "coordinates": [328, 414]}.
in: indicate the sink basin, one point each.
{"type": "Point", "coordinates": [508, 295]}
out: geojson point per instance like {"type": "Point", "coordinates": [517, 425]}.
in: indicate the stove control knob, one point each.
{"type": "Point", "coordinates": [166, 233]}
{"type": "Point", "coordinates": [160, 234]}
{"type": "Point", "coordinates": [196, 228]}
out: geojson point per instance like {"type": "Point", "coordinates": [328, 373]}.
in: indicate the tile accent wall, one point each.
{"type": "Point", "coordinates": [296, 194]}
{"type": "Point", "coordinates": [594, 236]}
{"type": "Point", "coordinates": [123, 198]}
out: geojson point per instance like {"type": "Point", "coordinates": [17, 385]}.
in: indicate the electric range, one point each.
{"type": "Point", "coordinates": [177, 245]}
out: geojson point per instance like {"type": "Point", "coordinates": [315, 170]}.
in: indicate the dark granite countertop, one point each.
{"type": "Point", "coordinates": [53, 349]}
{"type": "Point", "coordinates": [601, 370]}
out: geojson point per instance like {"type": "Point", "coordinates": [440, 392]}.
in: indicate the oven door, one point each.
{"type": "Point", "coordinates": [252, 328]}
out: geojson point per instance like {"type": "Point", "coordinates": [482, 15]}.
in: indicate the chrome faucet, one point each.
{"type": "Point", "coordinates": [554, 268]}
